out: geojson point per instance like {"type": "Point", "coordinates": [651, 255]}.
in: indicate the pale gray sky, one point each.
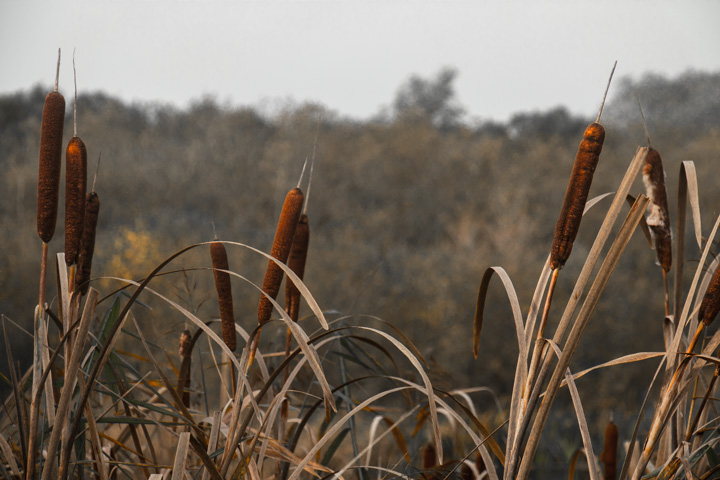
{"type": "Point", "coordinates": [353, 55]}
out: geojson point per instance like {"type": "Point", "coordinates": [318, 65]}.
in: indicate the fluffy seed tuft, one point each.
{"type": "Point", "coordinates": [658, 219]}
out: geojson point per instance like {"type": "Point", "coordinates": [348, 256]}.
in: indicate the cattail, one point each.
{"type": "Point", "coordinates": [296, 262]}
{"type": "Point", "coordinates": [75, 187]}
{"type": "Point", "coordinates": [185, 351]}
{"type": "Point", "coordinates": [51, 134]}
{"type": "Point", "coordinates": [710, 305]}
{"type": "Point", "coordinates": [284, 235]}
{"type": "Point", "coordinates": [576, 195]}
{"type": "Point", "coordinates": [87, 244]}
{"type": "Point", "coordinates": [224, 291]}
{"type": "Point", "coordinates": [608, 457]}
{"type": "Point", "coordinates": [429, 457]}
{"type": "Point", "coordinates": [659, 217]}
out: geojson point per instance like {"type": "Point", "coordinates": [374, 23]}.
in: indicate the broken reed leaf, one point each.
{"type": "Point", "coordinates": [224, 291]}
{"type": "Point", "coordinates": [658, 219]}
{"type": "Point", "coordinates": [284, 235]}
{"type": "Point", "coordinates": [50, 161]}
{"type": "Point", "coordinates": [296, 262]}
{"type": "Point", "coordinates": [87, 244]}
{"type": "Point", "coordinates": [576, 194]}
{"type": "Point", "coordinates": [75, 186]}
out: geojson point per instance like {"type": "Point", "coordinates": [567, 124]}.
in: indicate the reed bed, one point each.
{"type": "Point", "coordinates": [106, 398]}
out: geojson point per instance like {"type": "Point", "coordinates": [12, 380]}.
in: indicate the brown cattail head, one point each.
{"type": "Point", "coordinates": [658, 219]}
{"type": "Point", "coordinates": [479, 463]}
{"type": "Point", "coordinates": [576, 195]}
{"type": "Point", "coordinates": [185, 351]}
{"type": "Point", "coordinates": [75, 186]}
{"type": "Point", "coordinates": [51, 134]}
{"type": "Point", "coordinates": [710, 305]}
{"type": "Point", "coordinates": [296, 262]}
{"type": "Point", "coordinates": [466, 472]}
{"type": "Point", "coordinates": [608, 457]}
{"type": "Point", "coordinates": [429, 457]}
{"type": "Point", "coordinates": [284, 235]}
{"type": "Point", "coordinates": [87, 244]}
{"type": "Point", "coordinates": [224, 291]}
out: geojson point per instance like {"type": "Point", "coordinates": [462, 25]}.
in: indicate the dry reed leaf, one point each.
{"type": "Point", "coordinates": [9, 457]}
{"type": "Point", "coordinates": [573, 463]}
{"type": "Point", "coordinates": [426, 381]}
{"type": "Point", "coordinates": [588, 267]}
{"type": "Point", "coordinates": [335, 428]}
{"type": "Point", "coordinates": [479, 442]}
{"type": "Point", "coordinates": [181, 456]}
{"type": "Point", "coordinates": [309, 299]}
{"type": "Point", "coordinates": [631, 358]}
{"type": "Point", "coordinates": [688, 187]}
{"type": "Point", "coordinates": [392, 428]}
{"type": "Point", "coordinates": [588, 307]}
{"type": "Point", "coordinates": [514, 304]}
{"type": "Point", "coordinates": [582, 421]}
{"type": "Point", "coordinates": [682, 322]}
{"type": "Point", "coordinates": [70, 379]}
{"type": "Point", "coordinates": [214, 436]}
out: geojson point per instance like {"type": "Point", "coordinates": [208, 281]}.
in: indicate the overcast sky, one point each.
{"type": "Point", "coordinates": [352, 56]}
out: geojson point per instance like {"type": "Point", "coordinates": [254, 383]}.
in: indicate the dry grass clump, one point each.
{"type": "Point", "coordinates": [94, 407]}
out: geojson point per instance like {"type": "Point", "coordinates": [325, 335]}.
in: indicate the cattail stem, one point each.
{"type": "Point", "coordinates": [43, 276]}
{"type": "Point", "coordinates": [696, 420]}
{"type": "Point", "coordinates": [667, 292]}
{"type": "Point", "coordinates": [540, 347]}
{"type": "Point", "coordinates": [662, 410]}
{"type": "Point", "coordinates": [548, 302]}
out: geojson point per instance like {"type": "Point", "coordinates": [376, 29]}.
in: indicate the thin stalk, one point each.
{"type": "Point", "coordinates": [696, 420]}
{"type": "Point", "coordinates": [667, 292]}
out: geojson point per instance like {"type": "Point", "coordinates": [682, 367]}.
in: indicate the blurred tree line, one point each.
{"type": "Point", "coordinates": [406, 210]}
